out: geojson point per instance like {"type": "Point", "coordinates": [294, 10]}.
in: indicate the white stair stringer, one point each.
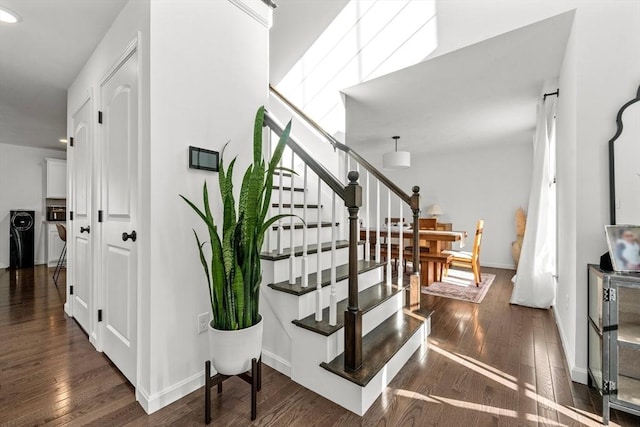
{"type": "Point", "coordinates": [310, 349]}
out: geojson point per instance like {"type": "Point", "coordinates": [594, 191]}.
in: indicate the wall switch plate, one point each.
{"type": "Point", "coordinates": [203, 321]}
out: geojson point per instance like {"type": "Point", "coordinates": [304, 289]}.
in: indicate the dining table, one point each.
{"type": "Point", "coordinates": [435, 240]}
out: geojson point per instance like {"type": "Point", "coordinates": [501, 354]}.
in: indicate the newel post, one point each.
{"type": "Point", "coordinates": [353, 315]}
{"type": "Point", "coordinates": [413, 302]}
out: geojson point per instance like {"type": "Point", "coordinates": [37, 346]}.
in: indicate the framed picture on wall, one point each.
{"type": "Point", "coordinates": [624, 246]}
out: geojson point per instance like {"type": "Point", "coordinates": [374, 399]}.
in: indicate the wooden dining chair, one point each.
{"type": "Point", "coordinates": [468, 259]}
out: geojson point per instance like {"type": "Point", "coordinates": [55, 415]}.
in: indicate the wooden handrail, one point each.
{"type": "Point", "coordinates": [345, 148]}
{"type": "Point", "coordinates": [322, 172]}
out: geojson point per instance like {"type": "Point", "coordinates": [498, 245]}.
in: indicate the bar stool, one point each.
{"type": "Point", "coordinates": [62, 232]}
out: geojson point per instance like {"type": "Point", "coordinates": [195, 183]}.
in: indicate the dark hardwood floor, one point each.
{"type": "Point", "coordinates": [488, 364]}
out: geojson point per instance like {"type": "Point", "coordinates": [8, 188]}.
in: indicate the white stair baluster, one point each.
{"type": "Point", "coordinates": [378, 220]}
{"type": "Point", "coordinates": [269, 238]}
{"type": "Point", "coordinates": [280, 201]}
{"type": "Point", "coordinates": [319, 262]}
{"type": "Point", "coordinates": [305, 258]}
{"type": "Point", "coordinates": [401, 248]}
{"type": "Point", "coordinates": [333, 299]}
{"type": "Point", "coordinates": [367, 223]}
{"type": "Point", "coordinates": [292, 262]}
{"type": "Point", "coordinates": [388, 236]}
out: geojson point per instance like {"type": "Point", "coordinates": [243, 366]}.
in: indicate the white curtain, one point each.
{"type": "Point", "coordinates": [534, 282]}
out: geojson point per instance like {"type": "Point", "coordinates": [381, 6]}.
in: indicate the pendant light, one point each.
{"type": "Point", "coordinates": [396, 159]}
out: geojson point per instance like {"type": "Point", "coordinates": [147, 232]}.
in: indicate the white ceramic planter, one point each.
{"type": "Point", "coordinates": [231, 351]}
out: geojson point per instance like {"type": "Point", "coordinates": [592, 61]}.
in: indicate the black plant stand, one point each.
{"type": "Point", "coordinates": [255, 380]}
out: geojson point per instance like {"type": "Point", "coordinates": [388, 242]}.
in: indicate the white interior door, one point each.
{"type": "Point", "coordinates": [119, 145]}
{"type": "Point", "coordinates": [80, 228]}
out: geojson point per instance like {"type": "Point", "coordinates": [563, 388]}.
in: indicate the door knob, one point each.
{"type": "Point", "coordinates": [133, 236]}
{"type": "Point", "coordinates": [85, 229]}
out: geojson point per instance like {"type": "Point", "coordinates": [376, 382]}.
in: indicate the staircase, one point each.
{"type": "Point", "coordinates": [335, 319]}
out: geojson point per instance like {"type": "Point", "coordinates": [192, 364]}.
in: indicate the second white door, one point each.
{"type": "Point", "coordinates": [119, 197]}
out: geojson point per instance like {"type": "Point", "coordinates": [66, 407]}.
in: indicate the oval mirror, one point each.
{"type": "Point", "coordinates": [624, 165]}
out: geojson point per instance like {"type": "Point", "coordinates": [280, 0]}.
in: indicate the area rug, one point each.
{"type": "Point", "coordinates": [460, 285]}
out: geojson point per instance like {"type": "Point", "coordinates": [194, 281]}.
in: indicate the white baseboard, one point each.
{"type": "Point", "coordinates": [276, 362]}
{"type": "Point", "coordinates": [35, 262]}
{"type": "Point", "coordinates": [578, 374]}
{"type": "Point", "coordinates": [169, 395]}
{"type": "Point", "coordinates": [67, 309]}
{"type": "Point", "coordinates": [498, 265]}
{"type": "Point", "coordinates": [152, 403]}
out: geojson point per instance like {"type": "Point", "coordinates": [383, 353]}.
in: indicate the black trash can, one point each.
{"type": "Point", "coordinates": [21, 246]}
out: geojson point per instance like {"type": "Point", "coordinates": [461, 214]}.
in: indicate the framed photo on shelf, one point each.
{"type": "Point", "coordinates": [624, 246]}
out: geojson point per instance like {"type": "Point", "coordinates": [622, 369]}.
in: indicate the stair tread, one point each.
{"type": "Point", "coordinates": [299, 225]}
{"type": "Point", "coordinates": [277, 187]}
{"type": "Point", "coordinates": [342, 272]}
{"type": "Point", "coordinates": [423, 312]}
{"type": "Point", "coordinates": [297, 251]}
{"type": "Point", "coordinates": [378, 347]}
{"type": "Point", "coordinates": [368, 299]}
{"type": "Point", "coordinates": [296, 205]}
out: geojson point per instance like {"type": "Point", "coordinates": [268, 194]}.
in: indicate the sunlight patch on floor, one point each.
{"type": "Point", "coordinates": [508, 381]}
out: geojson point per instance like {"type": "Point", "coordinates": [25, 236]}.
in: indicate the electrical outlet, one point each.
{"type": "Point", "coordinates": [203, 320]}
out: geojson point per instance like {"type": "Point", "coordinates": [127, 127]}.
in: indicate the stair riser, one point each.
{"type": "Point", "coordinates": [291, 307]}
{"type": "Point", "coordinates": [307, 302]}
{"type": "Point", "coordinates": [312, 214]}
{"type": "Point", "coordinates": [279, 270]}
{"type": "Point", "coordinates": [334, 344]}
{"type": "Point", "coordinates": [298, 197]}
{"type": "Point", "coordinates": [370, 319]}
{"type": "Point", "coordinates": [356, 399]}
{"type": "Point", "coordinates": [312, 198]}
{"type": "Point", "coordinates": [312, 237]}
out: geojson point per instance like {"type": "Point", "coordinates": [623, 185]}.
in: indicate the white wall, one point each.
{"type": "Point", "coordinates": [23, 178]}
{"type": "Point", "coordinates": [601, 71]}
{"type": "Point", "coordinates": [478, 182]}
{"type": "Point", "coordinates": [209, 75]}
{"type": "Point", "coordinates": [566, 119]}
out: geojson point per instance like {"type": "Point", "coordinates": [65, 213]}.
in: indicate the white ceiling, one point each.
{"type": "Point", "coordinates": [482, 94]}
{"type": "Point", "coordinates": [39, 58]}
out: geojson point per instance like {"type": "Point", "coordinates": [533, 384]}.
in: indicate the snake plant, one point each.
{"type": "Point", "coordinates": [234, 272]}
